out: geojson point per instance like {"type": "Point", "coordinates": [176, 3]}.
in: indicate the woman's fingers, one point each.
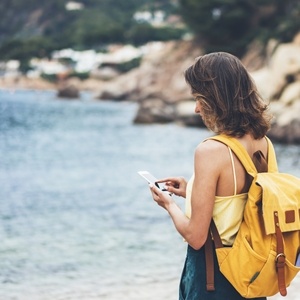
{"type": "Point", "coordinates": [154, 189]}
{"type": "Point", "coordinates": [168, 180]}
{"type": "Point", "coordinates": [172, 181]}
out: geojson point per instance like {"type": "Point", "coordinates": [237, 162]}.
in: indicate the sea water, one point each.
{"type": "Point", "coordinates": [76, 220]}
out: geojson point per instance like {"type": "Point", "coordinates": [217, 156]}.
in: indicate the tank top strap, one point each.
{"type": "Point", "coordinates": [233, 170]}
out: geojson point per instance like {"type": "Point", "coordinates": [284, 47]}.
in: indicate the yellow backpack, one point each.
{"type": "Point", "coordinates": [262, 260]}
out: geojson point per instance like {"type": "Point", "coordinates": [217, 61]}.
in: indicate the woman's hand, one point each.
{"type": "Point", "coordinates": [162, 198]}
{"type": "Point", "coordinates": [175, 185]}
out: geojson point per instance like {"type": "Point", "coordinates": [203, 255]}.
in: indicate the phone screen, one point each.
{"type": "Point", "coordinates": [149, 177]}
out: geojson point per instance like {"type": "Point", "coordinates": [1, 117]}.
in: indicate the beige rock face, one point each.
{"type": "Point", "coordinates": [279, 83]}
{"type": "Point", "coordinates": [185, 114]}
{"type": "Point", "coordinates": [262, 78]}
{"type": "Point", "coordinates": [159, 86]}
{"type": "Point", "coordinates": [284, 66]}
{"type": "Point", "coordinates": [154, 111]}
{"type": "Point", "coordinates": [160, 75]}
{"type": "Point", "coordinates": [291, 93]}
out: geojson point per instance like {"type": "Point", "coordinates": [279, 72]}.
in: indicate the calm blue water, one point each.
{"type": "Point", "coordinates": [76, 221]}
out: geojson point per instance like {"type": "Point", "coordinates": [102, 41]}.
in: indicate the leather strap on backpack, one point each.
{"type": "Point", "coordinates": [280, 257]}
{"type": "Point", "coordinates": [212, 237]}
{"type": "Point", "coordinates": [209, 261]}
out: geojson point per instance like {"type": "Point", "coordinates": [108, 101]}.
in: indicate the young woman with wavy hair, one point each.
{"type": "Point", "coordinates": [228, 102]}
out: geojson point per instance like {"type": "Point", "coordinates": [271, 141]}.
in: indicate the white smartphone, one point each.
{"type": "Point", "coordinates": [151, 179]}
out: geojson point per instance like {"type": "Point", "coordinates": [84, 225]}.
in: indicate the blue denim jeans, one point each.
{"type": "Point", "coordinates": [193, 280]}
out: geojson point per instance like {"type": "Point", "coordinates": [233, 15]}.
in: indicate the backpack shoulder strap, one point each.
{"type": "Point", "coordinates": [243, 155]}
{"type": "Point", "coordinates": [272, 162]}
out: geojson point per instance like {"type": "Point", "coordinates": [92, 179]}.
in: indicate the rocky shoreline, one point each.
{"type": "Point", "coordinates": [163, 96]}
{"type": "Point", "coordinates": [158, 86]}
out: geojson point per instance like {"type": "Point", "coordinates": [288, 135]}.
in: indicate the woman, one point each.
{"type": "Point", "coordinates": [228, 102]}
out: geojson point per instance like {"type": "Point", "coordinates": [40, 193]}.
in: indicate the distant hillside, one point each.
{"type": "Point", "coordinates": [24, 19]}
{"type": "Point", "coordinates": [35, 28]}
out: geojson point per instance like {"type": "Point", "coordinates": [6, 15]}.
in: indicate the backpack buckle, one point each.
{"type": "Point", "coordinates": [278, 257]}
{"type": "Point", "coordinates": [280, 260]}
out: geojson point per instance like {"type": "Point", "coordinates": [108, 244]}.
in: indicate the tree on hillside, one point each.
{"type": "Point", "coordinates": [230, 25]}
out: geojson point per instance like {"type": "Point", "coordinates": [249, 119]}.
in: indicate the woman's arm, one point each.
{"type": "Point", "coordinates": [208, 163]}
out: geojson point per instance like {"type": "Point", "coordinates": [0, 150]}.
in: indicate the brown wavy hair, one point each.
{"type": "Point", "coordinates": [229, 98]}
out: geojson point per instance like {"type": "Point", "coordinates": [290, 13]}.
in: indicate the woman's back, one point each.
{"type": "Point", "coordinates": [225, 186]}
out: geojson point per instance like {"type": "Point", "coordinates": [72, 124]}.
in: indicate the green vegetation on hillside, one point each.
{"type": "Point", "coordinates": [35, 28]}
{"type": "Point", "coordinates": [230, 25]}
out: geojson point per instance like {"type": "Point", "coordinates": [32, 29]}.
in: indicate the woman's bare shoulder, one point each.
{"type": "Point", "coordinates": [211, 147]}
{"type": "Point", "coordinates": [212, 153]}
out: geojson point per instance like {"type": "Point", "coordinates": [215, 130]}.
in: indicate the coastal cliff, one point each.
{"type": "Point", "coordinates": [159, 88]}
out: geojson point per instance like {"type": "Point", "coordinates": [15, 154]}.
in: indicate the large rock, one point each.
{"type": "Point", "coordinates": [286, 124]}
{"type": "Point", "coordinates": [279, 83]}
{"type": "Point", "coordinates": [262, 78]}
{"type": "Point", "coordinates": [68, 89]}
{"type": "Point", "coordinates": [288, 134]}
{"type": "Point", "coordinates": [291, 93]}
{"type": "Point", "coordinates": [158, 84]}
{"type": "Point", "coordinates": [68, 92]}
{"type": "Point", "coordinates": [154, 111]}
{"type": "Point", "coordinates": [157, 111]}
{"type": "Point", "coordinates": [185, 114]}
{"type": "Point", "coordinates": [284, 67]}
{"type": "Point", "coordinates": [121, 88]}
